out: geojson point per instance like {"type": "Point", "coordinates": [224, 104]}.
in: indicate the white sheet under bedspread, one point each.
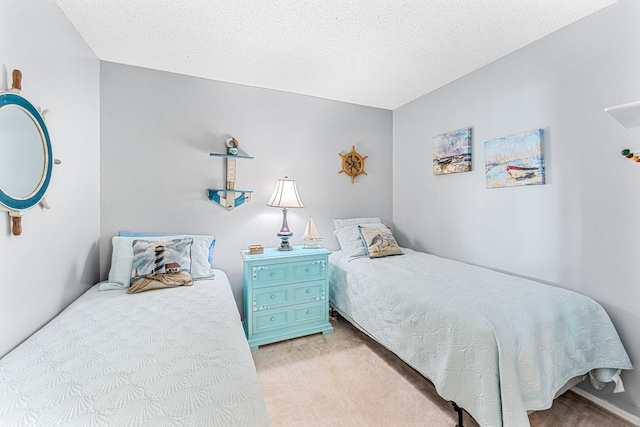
{"type": "Point", "coordinates": [497, 345]}
{"type": "Point", "coordinates": [169, 357]}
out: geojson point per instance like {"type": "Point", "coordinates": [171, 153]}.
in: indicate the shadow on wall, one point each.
{"type": "Point", "coordinates": [407, 241]}
{"type": "Point", "coordinates": [78, 281]}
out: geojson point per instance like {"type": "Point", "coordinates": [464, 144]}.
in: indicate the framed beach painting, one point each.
{"type": "Point", "coordinates": [515, 160]}
{"type": "Point", "coordinates": [452, 152]}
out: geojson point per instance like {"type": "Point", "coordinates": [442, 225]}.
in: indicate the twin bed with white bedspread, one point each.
{"type": "Point", "coordinates": [495, 344]}
{"type": "Point", "coordinates": [169, 357]}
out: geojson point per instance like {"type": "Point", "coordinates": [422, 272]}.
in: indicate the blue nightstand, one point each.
{"type": "Point", "coordinates": [285, 294]}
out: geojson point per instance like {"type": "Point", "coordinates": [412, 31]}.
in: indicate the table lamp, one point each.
{"type": "Point", "coordinates": [285, 196]}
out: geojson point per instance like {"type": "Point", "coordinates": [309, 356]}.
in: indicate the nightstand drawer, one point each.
{"type": "Point", "coordinates": [267, 275]}
{"type": "Point", "coordinates": [267, 298]}
{"type": "Point", "coordinates": [310, 291]}
{"type": "Point", "coordinates": [285, 273]}
{"type": "Point", "coordinates": [309, 313]}
{"type": "Point", "coordinates": [270, 320]}
{"type": "Point", "coordinates": [308, 270]}
{"type": "Point", "coordinates": [281, 319]}
{"type": "Point", "coordinates": [278, 296]}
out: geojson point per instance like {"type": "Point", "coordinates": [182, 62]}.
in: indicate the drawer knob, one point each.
{"type": "Point", "coordinates": [273, 319]}
{"type": "Point", "coordinates": [308, 270]}
{"type": "Point", "coordinates": [308, 291]}
{"type": "Point", "coordinates": [272, 296]}
{"type": "Point", "coordinates": [308, 311]}
{"type": "Point", "coordinates": [272, 274]}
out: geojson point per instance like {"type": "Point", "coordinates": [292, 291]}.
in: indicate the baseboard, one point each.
{"type": "Point", "coordinates": [607, 406]}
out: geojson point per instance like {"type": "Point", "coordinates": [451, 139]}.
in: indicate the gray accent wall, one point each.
{"type": "Point", "coordinates": [580, 231]}
{"type": "Point", "coordinates": [158, 129]}
{"type": "Point", "coordinates": [56, 257]}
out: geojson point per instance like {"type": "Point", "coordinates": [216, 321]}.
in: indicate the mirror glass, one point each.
{"type": "Point", "coordinates": [25, 153]}
{"type": "Point", "coordinates": [22, 155]}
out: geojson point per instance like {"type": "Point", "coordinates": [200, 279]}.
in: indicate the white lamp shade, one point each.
{"type": "Point", "coordinates": [285, 195]}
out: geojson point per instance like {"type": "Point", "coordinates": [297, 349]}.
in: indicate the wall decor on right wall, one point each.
{"type": "Point", "coordinates": [452, 152]}
{"type": "Point", "coordinates": [515, 160]}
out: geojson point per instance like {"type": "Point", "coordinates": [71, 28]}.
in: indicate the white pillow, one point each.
{"type": "Point", "coordinates": [122, 257]}
{"type": "Point", "coordinates": [340, 223]}
{"type": "Point", "coordinates": [350, 238]}
{"type": "Point", "coordinates": [347, 222]}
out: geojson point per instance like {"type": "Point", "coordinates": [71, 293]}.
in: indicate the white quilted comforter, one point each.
{"type": "Point", "coordinates": [169, 357]}
{"type": "Point", "coordinates": [497, 345]}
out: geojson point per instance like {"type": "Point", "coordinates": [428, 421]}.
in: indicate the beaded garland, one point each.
{"type": "Point", "coordinates": [629, 155]}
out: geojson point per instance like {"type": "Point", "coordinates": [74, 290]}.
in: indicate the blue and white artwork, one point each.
{"type": "Point", "coordinates": [515, 160]}
{"type": "Point", "coordinates": [452, 152]}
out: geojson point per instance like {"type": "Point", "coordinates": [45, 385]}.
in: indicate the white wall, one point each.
{"type": "Point", "coordinates": [56, 258]}
{"type": "Point", "coordinates": [580, 230]}
{"type": "Point", "coordinates": [158, 129]}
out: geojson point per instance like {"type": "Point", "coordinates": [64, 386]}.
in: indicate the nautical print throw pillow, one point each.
{"type": "Point", "coordinates": [379, 242]}
{"type": "Point", "coordinates": [166, 262]}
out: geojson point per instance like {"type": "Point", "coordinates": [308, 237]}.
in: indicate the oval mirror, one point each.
{"type": "Point", "coordinates": [25, 153]}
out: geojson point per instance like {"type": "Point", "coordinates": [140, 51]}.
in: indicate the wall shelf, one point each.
{"type": "Point", "coordinates": [230, 197]}
{"type": "Point", "coordinates": [628, 115]}
{"type": "Point", "coordinates": [239, 156]}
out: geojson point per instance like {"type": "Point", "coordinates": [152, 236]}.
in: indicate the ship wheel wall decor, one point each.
{"type": "Point", "coordinates": [352, 164]}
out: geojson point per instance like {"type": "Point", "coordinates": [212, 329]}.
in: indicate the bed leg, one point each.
{"type": "Point", "coordinates": [459, 411]}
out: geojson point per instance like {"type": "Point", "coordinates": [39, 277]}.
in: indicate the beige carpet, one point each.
{"type": "Point", "coordinates": [347, 379]}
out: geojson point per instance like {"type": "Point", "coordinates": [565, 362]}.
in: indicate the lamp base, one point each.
{"type": "Point", "coordinates": [285, 245]}
{"type": "Point", "coordinates": [284, 234]}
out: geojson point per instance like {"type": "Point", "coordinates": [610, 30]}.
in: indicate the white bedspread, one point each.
{"type": "Point", "coordinates": [169, 357]}
{"type": "Point", "coordinates": [497, 345]}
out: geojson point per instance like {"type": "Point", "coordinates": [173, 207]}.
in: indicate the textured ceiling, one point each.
{"type": "Point", "coordinates": [380, 53]}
